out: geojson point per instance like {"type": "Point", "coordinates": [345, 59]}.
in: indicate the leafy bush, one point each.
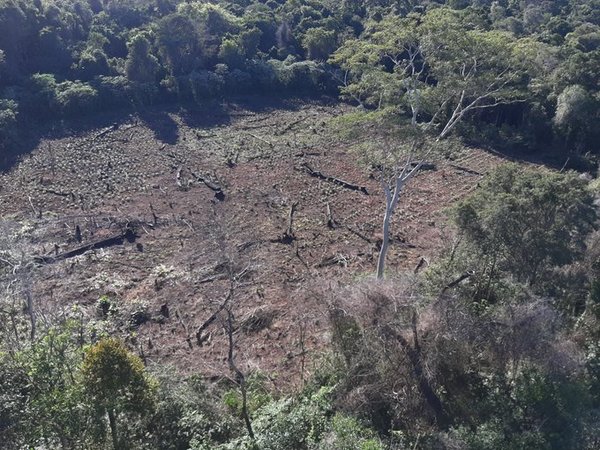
{"type": "Point", "coordinates": [117, 385]}
{"type": "Point", "coordinates": [526, 222]}
{"type": "Point", "coordinates": [42, 92]}
{"type": "Point", "coordinates": [346, 433]}
{"type": "Point", "coordinates": [205, 84]}
{"type": "Point", "coordinates": [113, 92]}
{"type": "Point", "coordinates": [8, 120]}
{"type": "Point", "coordinates": [75, 97]}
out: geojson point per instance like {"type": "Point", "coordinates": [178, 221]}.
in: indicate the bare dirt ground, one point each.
{"type": "Point", "coordinates": [196, 189]}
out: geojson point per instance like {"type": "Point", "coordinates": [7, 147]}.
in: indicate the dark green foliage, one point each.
{"type": "Point", "coordinates": [553, 49]}
{"type": "Point", "coordinates": [178, 41]}
{"type": "Point", "coordinates": [141, 66]}
{"type": "Point", "coordinates": [525, 223]}
{"type": "Point", "coordinates": [205, 84]}
{"type": "Point", "coordinates": [8, 121]}
{"type": "Point", "coordinates": [14, 418]}
{"type": "Point", "coordinates": [75, 98]}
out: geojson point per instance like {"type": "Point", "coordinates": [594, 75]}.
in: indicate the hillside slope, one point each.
{"type": "Point", "coordinates": [133, 221]}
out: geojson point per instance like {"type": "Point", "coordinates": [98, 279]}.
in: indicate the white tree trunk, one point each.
{"type": "Point", "coordinates": [386, 240]}
{"type": "Point", "coordinates": [391, 201]}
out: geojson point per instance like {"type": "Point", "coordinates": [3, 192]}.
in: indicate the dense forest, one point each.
{"type": "Point", "coordinates": [494, 345]}
{"type": "Point", "coordinates": [64, 59]}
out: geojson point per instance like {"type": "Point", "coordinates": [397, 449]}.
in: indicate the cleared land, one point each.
{"type": "Point", "coordinates": [145, 211]}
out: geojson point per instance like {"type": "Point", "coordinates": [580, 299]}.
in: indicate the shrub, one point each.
{"type": "Point", "coordinates": [205, 84]}
{"type": "Point", "coordinates": [75, 97]}
{"type": "Point", "coordinates": [8, 120]}
{"type": "Point", "coordinates": [113, 91]}
{"type": "Point", "coordinates": [346, 433]}
{"type": "Point", "coordinates": [42, 91]}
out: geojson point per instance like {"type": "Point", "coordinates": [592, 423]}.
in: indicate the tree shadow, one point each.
{"type": "Point", "coordinates": [549, 156]}
{"type": "Point", "coordinates": [163, 119]}
{"type": "Point", "coordinates": [221, 112]}
{"type": "Point", "coordinates": [162, 124]}
{"type": "Point", "coordinates": [32, 133]}
{"type": "Point", "coordinates": [210, 114]}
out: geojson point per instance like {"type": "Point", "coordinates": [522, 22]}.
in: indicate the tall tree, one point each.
{"type": "Point", "coordinates": [117, 384]}
{"type": "Point", "coordinates": [179, 43]}
{"type": "Point", "coordinates": [141, 65]}
{"type": "Point", "coordinates": [435, 69]}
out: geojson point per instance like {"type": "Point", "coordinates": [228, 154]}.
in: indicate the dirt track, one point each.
{"type": "Point", "coordinates": [198, 190]}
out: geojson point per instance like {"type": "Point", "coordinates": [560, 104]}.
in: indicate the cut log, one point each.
{"type": "Point", "coordinates": [331, 223]}
{"type": "Point", "coordinates": [216, 188]}
{"type": "Point", "coordinates": [321, 176]}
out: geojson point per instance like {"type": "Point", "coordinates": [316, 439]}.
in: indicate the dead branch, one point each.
{"type": "Point", "coordinates": [334, 260]}
{"type": "Point", "coordinates": [423, 166]}
{"type": "Point", "coordinates": [178, 177]}
{"type": "Point", "coordinates": [200, 339]}
{"type": "Point", "coordinates": [61, 194]}
{"type": "Point", "coordinates": [240, 378]}
{"type": "Point", "coordinates": [302, 154]}
{"type": "Point", "coordinates": [105, 132]}
{"type": "Point", "coordinates": [270, 144]}
{"type": "Point", "coordinates": [459, 280]}
{"type": "Point", "coordinates": [358, 233]}
{"type": "Point", "coordinates": [292, 124]}
{"type": "Point", "coordinates": [211, 278]}
{"type": "Point", "coordinates": [288, 236]}
{"type": "Point", "coordinates": [113, 127]}
{"type": "Point", "coordinates": [36, 213]}
{"type": "Point", "coordinates": [422, 263]}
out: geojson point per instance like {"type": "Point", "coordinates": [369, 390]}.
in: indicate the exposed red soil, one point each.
{"type": "Point", "coordinates": [104, 179]}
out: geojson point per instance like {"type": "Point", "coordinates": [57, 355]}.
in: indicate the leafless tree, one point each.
{"type": "Point", "coordinates": [16, 278]}
{"type": "Point", "coordinates": [237, 270]}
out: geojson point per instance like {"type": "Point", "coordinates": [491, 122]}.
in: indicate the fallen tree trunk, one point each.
{"type": "Point", "coordinates": [321, 176]}
{"type": "Point", "coordinates": [127, 235]}
{"type": "Point", "coordinates": [465, 169]}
